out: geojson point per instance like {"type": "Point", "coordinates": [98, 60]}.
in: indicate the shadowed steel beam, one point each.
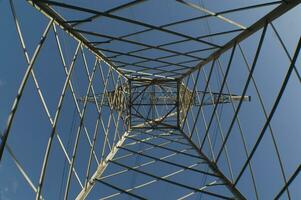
{"type": "Point", "coordinates": [165, 148]}
{"type": "Point", "coordinates": [158, 28]}
{"type": "Point", "coordinates": [199, 18]}
{"type": "Point", "coordinates": [192, 5]}
{"type": "Point", "coordinates": [167, 137]}
{"type": "Point", "coordinates": [121, 190]}
{"type": "Point", "coordinates": [147, 182]}
{"type": "Point", "coordinates": [100, 169]}
{"type": "Point", "coordinates": [41, 96]}
{"type": "Point", "coordinates": [295, 174]}
{"type": "Point", "coordinates": [180, 41]}
{"type": "Point", "coordinates": [273, 110]}
{"type": "Point", "coordinates": [142, 57]}
{"type": "Point", "coordinates": [244, 89]}
{"type": "Point", "coordinates": [81, 124]}
{"type": "Point", "coordinates": [170, 181]}
{"type": "Point", "coordinates": [274, 14]}
{"type": "Point", "coordinates": [121, 7]}
{"type": "Point", "coordinates": [146, 69]}
{"type": "Point", "coordinates": [149, 148]}
{"type": "Point", "coordinates": [96, 34]}
{"type": "Point", "coordinates": [191, 98]}
{"type": "Point", "coordinates": [147, 163]}
{"type": "Point", "coordinates": [168, 162]}
{"type": "Point", "coordinates": [286, 50]}
{"type": "Point", "coordinates": [20, 168]}
{"type": "Point", "coordinates": [213, 183]}
{"type": "Point", "coordinates": [55, 121]}
{"type": "Point", "coordinates": [215, 169]}
{"type": "Point", "coordinates": [22, 87]}
{"type": "Point", "coordinates": [219, 95]}
{"type": "Point", "coordinates": [49, 12]}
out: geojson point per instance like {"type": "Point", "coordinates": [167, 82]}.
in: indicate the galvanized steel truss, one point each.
{"type": "Point", "coordinates": [148, 112]}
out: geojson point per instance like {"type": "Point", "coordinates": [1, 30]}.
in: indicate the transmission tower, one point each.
{"type": "Point", "coordinates": [152, 100]}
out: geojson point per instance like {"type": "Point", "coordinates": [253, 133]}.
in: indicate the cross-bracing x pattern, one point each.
{"type": "Point", "coordinates": [142, 67]}
{"type": "Point", "coordinates": [145, 123]}
{"type": "Point", "coordinates": [154, 104]}
{"type": "Point", "coordinates": [68, 86]}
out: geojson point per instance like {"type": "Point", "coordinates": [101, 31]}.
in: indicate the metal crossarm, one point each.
{"type": "Point", "coordinates": [137, 99]}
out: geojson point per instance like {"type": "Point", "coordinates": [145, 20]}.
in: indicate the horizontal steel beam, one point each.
{"type": "Point", "coordinates": [128, 20]}
{"type": "Point", "coordinates": [121, 190]}
{"type": "Point", "coordinates": [169, 162]}
{"type": "Point", "coordinates": [49, 12]}
{"type": "Point", "coordinates": [274, 14]}
{"type": "Point", "coordinates": [215, 169]}
{"type": "Point", "coordinates": [100, 169]}
{"type": "Point", "coordinates": [170, 181]}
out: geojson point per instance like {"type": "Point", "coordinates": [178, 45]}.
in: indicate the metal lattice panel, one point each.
{"type": "Point", "coordinates": [151, 99]}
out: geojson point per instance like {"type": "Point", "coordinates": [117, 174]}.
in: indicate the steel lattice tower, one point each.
{"type": "Point", "coordinates": [119, 106]}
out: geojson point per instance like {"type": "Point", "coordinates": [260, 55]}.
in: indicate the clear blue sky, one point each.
{"type": "Point", "coordinates": [31, 127]}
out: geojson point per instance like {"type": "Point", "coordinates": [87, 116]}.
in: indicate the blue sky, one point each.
{"type": "Point", "coordinates": [31, 127]}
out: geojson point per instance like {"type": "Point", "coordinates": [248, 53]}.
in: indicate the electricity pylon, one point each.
{"type": "Point", "coordinates": [154, 105]}
{"type": "Point", "coordinates": [153, 120]}
{"type": "Point", "coordinates": [154, 95]}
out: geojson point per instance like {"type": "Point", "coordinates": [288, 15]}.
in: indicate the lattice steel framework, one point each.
{"type": "Point", "coordinates": [151, 119]}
